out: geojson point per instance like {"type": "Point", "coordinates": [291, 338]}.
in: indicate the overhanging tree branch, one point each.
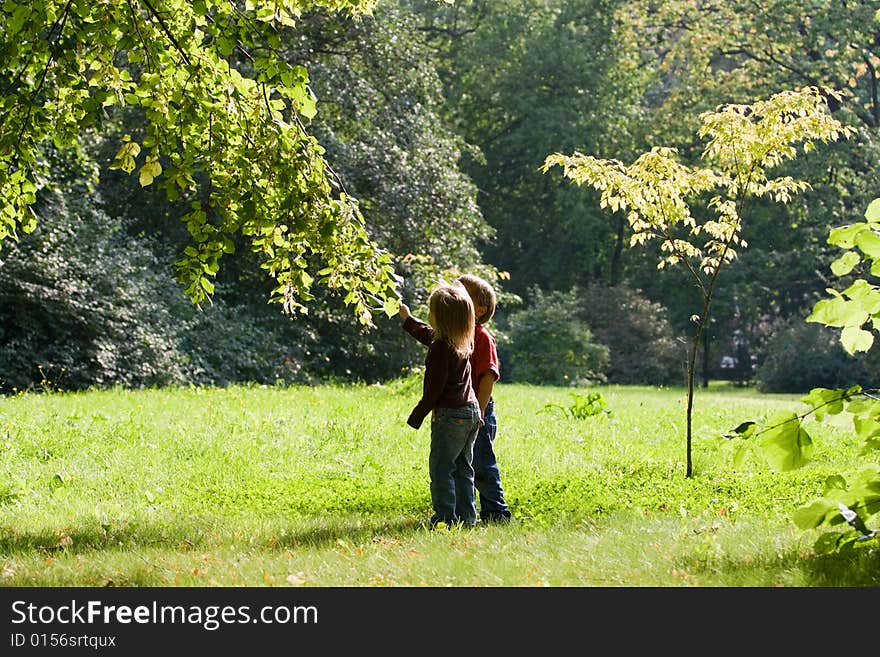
{"type": "Point", "coordinates": [167, 31]}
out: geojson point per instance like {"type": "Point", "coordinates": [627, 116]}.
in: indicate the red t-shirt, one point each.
{"type": "Point", "coordinates": [484, 358]}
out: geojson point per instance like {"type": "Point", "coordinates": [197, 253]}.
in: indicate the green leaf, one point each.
{"type": "Point", "coordinates": [845, 263]}
{"type": "Point", "coordinates": [872, 214]}
{"type": "Point", "coordinates": [863, 408]}
{"type": "Point", "coordinates": [834, 483]}
{"type": "Point", "coordinates": [391, 306]}
{"type": "Point", "coordinates": [739, 456]}
{"type": "Point", "coordinates": [855, 339]}
{"type": "Point", "coordinates": [16, 21]}
{"type": "Point", "coordinates": [744, 430]}
{"type": "Point", "coordinates": [126, 155]}
{"type": "Point", "coordinates": [845, 236]}
{"type": "Point", "coordinates": [869, 243]}
{"type": "Point", "coordinates": [838, 311]}
{"type": "Point", "coordinates": [29, 221]}
{"type": "Point", "coordinates": [865, 293]}
{"type": "Point", "coordinates": [815, 514]}
{"type": "Point", "coordinates": [149, 171]}
{"type": "Point", "coordinates": [825, 401]}
{"type": "Point", "coordinates": [308, 106]}
{"type": "Point", "coordinates": [786, 445]}
{"type": "Point", "coordinates": [225, 45]}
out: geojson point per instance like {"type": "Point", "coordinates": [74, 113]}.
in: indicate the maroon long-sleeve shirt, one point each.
{"type": "Point", "coordinates": [447, 382]}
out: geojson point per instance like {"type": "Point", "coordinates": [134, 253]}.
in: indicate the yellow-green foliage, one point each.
{"type": "Point", "coordinates": [744, 142]}
{"type": "Point", "coordinates": [227, 134]}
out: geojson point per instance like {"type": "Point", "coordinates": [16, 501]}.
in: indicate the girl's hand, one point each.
{"type": "Point", "coordinates": [403, 311]}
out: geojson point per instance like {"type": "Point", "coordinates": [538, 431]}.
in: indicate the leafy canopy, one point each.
{"type": "Point", "coordinates": [224, 131]}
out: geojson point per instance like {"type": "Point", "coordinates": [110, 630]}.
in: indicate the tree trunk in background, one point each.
{"type": "Point", "coordinates": [617, 255]}
{"type": "Point", "coordinates": [705, 360]}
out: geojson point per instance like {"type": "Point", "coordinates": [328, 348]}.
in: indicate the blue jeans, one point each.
{"type": "Point", "coordinates": [487, 477]}
{"type": "Point", "coordinates": [450, 464]}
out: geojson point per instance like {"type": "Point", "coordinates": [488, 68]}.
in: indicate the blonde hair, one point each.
{"type": "Point", "coordinates": [482, 294]}
{"type": "Point", "coordinates": [452, 317]}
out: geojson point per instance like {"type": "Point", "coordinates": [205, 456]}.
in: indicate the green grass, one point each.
{"type": "Point", "coordinates": [327, 486]}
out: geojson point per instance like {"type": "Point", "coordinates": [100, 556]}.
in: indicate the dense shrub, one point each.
{"type": "Point", "coordinates": [227, 344]}
{"type": "Point", "coordinates": [799, 356]}
{"type": "Point", "coordinates": [643, 348]}
{"type": "Point", "coordinates": [547, 343]}
{"type": "Point", "coordinates": [82, 304]}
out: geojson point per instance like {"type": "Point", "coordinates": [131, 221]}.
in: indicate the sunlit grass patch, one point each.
{"type": "Point", "coordinates": [327, 486]}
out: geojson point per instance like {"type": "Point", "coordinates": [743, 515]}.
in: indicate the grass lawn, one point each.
{"type": "Point", "coordinates": [327, 486]}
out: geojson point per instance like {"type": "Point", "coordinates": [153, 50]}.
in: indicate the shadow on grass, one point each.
{"type": "Point", "coordinates": [307, 532]}
{"type": "Point", "coordinates": [49, 541]}
{"type": "Point", "coordinates": [856, 568]}
{"type": "Point", "coordinates": [860, 568]}
{"type": "Point", "coordinates": [349, 532]}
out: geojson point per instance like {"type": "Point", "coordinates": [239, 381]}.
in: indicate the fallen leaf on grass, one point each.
{"type": "Point", "coordinates": [296, 580]}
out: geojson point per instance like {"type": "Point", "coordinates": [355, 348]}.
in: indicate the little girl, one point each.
{"type": "Point", "coordinates": [447, 393]}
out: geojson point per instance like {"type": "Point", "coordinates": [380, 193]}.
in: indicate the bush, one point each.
{"type": "Point", "coordinates": [548, 344]}
{"type": "Point", "coordinates": [83, 304]}
{"type": "Point", "coordinates": [642, 346]}
{"type": "Point", "coordinates": [799, 356]}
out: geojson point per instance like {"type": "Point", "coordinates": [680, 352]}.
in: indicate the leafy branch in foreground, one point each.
{"type": "Point", "coordinates": [785, 444]}
{"type": "Point", "coordinates": [224, 130]}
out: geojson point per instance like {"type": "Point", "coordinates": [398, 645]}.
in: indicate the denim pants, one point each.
{"type": "Point", "coordinates": [450, 464]}
{"type": "Point", "coordinates": [487, 477]}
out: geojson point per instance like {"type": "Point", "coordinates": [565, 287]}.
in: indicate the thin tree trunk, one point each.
{"type": "Point", "coordinates": [692, 366]}
{"type": "Point", "coordinates": [692, 362]}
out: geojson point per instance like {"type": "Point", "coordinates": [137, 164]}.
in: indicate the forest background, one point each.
{"type": "Point", "coordinates": [437, 118]}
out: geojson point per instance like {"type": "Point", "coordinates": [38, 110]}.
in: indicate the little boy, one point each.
{"type": "Point", "coordinates": [485, 371]}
